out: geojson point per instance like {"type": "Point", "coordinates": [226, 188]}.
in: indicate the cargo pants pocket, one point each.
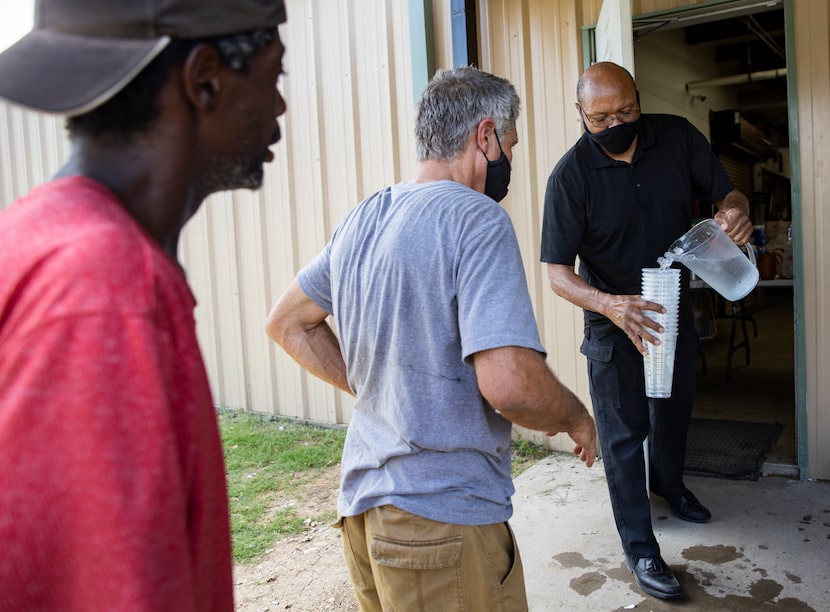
{"type": "Point", "coordinates": [420, 572]}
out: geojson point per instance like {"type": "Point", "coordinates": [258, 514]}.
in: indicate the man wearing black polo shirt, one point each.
{"type": "Point", "coordinates": [617, 199]}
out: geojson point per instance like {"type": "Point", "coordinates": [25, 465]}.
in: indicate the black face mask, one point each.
{"type": "Point", "coordinates": [498, 175]}
{"type": "Point", "coordinates": [616, 139]}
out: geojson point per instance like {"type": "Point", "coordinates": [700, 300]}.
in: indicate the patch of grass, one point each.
{"type": "Point", "coordinates": [269, 459]}
{"type": "Point", "coordinates": [525, 453]}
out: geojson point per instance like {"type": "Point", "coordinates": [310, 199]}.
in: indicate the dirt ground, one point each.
{"type": "Point", "coordinates": [301, 573]}
{"type": "Point", "coordinates": [304, 573]}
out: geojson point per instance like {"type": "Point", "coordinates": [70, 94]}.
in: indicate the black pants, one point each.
{"type": "Point", "coordinates": [625, 417]}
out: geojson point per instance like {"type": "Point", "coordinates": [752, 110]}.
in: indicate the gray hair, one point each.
{"type": "Point", "coordinates": [452, 105]}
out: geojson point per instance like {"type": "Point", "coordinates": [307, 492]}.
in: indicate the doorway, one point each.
{"type": "Point", "coordinates": [725, 71]}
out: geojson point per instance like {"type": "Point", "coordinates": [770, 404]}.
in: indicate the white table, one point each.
{"type": "Point", "coordinates": [737, 312]}
{"type": "Point", "coordinates": [698, 283]}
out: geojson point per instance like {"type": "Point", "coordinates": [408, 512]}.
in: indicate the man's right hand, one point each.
{"type": "Point", "coordinates": [627, 313]}
{"type": "Point", "coordinates": [517, 382]}
{"type": "Point", "coordinates": [585, 438]}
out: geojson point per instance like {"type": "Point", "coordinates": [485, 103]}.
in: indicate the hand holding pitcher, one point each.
{"type": "Point", "coordinates": [736, 224]}
{"type": "Point", "coordinates": [711, 254]}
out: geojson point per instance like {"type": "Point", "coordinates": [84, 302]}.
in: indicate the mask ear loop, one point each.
{"type": "Point", "coordinates": [498, 142]}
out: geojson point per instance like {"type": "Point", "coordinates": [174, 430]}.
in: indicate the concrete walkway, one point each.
{"type": "Point", "coordinates": [767, 546]}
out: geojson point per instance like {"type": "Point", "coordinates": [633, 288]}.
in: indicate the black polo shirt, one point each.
{"type": "Point", "coordinates": [619, 217]}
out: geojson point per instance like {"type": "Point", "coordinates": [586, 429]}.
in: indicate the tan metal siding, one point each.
{"type": "Point", "coordinates": [33, 147]}
{"type": "Point", "coordinates": [442, 33]}
{"type": "Point", "coordinates": [812, 67]}
{"type": "Point", "coordinates": [347, 133]}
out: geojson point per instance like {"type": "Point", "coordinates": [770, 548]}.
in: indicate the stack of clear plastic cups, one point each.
{"type": "Point", "coordinates": [661, 285]}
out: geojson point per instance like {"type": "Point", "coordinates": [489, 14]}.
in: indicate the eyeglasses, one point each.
{"type": "Point", "coordinates": [626, 115]}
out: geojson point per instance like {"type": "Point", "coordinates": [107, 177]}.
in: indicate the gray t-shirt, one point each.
{"type": "Point", "coordinates": [419, 277]}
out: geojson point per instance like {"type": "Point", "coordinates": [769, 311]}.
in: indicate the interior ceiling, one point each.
{"type": "Point", "coordinates": [747, 37]}
{"type": "Point", "coordinates": [750, 44]}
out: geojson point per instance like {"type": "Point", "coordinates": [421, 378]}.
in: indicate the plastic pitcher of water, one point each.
{"type": "Point", "coordinates": [710, 253]}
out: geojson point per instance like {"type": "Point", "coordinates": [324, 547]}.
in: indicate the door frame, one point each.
{"type": "Point", "coordinates": [711, 11]}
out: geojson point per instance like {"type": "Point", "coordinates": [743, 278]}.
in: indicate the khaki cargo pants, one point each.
{"type": "Point", "coordinates": [402, 562]}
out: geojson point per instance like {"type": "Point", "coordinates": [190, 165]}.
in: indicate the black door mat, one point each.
{"type": "Point", "coordinates": [729, 449]}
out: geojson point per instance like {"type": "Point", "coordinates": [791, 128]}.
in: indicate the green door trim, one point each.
{"type": "Point", "coordinates": [421, 45]}
{"type": "Point", "coordinates": [798, 265]}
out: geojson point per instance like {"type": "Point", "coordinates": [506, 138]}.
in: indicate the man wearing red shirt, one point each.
{"type": "Point", "coordinates": [112, 481]}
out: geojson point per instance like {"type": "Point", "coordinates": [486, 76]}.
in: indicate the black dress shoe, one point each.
{"type": "Point", "coordinates": [690, 509]}
{"type": "Point", "coordinates": [654, 577]}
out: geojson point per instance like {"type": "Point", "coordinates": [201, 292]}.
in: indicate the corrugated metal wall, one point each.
{"type": "Point", "coordinates": [812, 224]}
{"type": "Point", "coordinates": [348, 132]}
{"type": "Point", "coordinates": [32, 147]}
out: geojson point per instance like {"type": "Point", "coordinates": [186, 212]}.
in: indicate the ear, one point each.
{"type": "Point", "coordinates": [202, 74]}
{"type": "Point", "coordinates": [485, 128]}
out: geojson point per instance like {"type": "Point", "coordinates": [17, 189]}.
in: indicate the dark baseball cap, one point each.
{"type": "Point", "coordinates": [81, 53]}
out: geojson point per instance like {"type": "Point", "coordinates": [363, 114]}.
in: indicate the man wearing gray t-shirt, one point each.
{"type": "Point", "coordinates": [437, 340]}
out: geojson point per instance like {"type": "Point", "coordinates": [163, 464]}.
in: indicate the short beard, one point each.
{"type": "Point", "coordinates": [236, 172]}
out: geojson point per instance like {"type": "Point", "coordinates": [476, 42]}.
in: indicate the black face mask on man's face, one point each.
{"type": "Point", "coordinates": [617, 139]}
{"type": "Point", "coordinates": [498, 175]}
